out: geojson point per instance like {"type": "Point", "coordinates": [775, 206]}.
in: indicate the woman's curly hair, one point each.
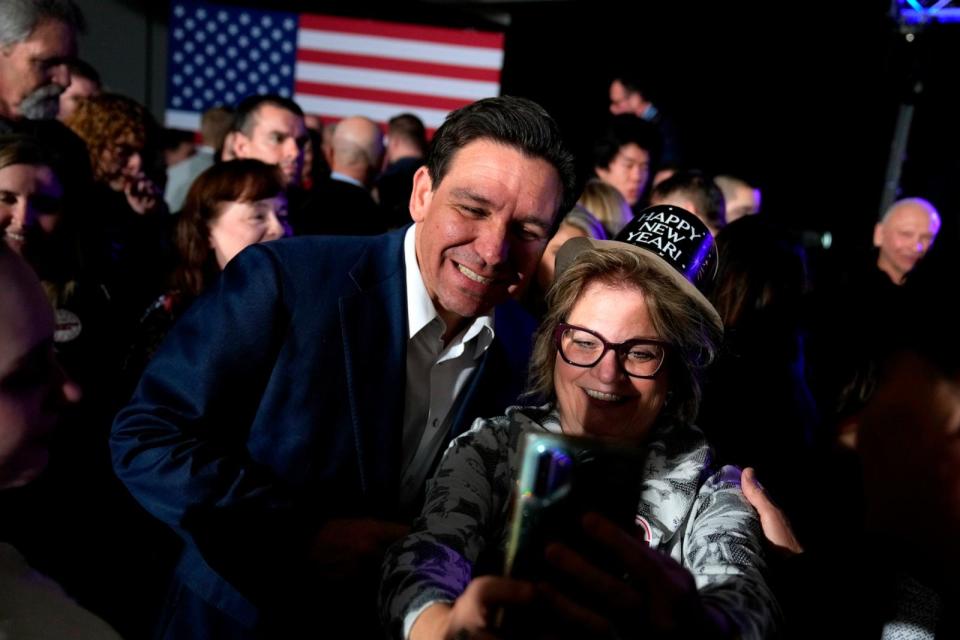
{"type": "Point", "coordinates": [108, 120]}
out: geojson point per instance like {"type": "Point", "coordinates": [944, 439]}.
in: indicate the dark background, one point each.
{"type": "Point", "coordinates": [800, 98]}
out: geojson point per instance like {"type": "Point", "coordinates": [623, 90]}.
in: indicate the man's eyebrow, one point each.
{"type": "Point", "coordinates": [467, 194]}
{"type": "Point", "coordinates": [534, 220]}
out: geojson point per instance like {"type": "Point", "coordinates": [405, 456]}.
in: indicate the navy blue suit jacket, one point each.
{"type": "Point", "coordinates": [277, 402]}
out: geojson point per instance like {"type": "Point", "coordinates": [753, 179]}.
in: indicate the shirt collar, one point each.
{"type": "Point", "coordinates": [420, 309]}
{"type": "Point", "coordinates": [336, 175]}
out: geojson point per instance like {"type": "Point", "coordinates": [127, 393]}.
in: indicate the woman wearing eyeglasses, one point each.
{"type": "Point", "coordinates": [619, 357]}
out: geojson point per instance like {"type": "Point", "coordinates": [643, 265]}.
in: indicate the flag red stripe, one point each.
{"type": "Point", "coordinates": [373, 95]}
{"type": "Point", "coordinates": [439, 35]}
{"type": "Point", "coordinates": [405, 66]}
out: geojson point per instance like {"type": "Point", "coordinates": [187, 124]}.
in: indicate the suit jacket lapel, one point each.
{"type": "Point", "coordinates": [374, 325]}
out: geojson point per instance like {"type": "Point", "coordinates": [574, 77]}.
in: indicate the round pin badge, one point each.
{"type": "Point", "coordinates": [67, 326]}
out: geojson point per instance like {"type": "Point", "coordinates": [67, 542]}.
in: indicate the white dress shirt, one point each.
{"type": "Point", "coordinates": [436, 375]}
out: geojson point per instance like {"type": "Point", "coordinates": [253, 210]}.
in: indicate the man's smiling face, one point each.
{"type": "Point", "coordinates": [481, 231]}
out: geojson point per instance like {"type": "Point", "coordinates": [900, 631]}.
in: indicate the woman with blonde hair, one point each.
{"type": "Point", "coordinates": [607, 205]}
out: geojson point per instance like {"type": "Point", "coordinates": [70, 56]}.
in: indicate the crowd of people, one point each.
{"type": "Point", "coordinates": [275, 383]}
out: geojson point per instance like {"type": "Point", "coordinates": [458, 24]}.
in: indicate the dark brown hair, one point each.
{"type": "Point", "coordinates": [234, 181]}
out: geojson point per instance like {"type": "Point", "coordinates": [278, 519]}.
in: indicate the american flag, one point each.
{"type": "Point", "coordinates": [333, 67]}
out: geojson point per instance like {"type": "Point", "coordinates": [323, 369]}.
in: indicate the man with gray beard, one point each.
{"type": "Point", "coordinates": [37, 40]}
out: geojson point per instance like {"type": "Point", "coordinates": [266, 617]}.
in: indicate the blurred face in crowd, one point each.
{"type": "Point", "coordinates": [33, 73]}
{"type": "Point", "coordinates": [122, 163]}
{"type": "Point", "coordinates": [33, 387]}
{"type": "Point", "coordinates": [628, 172]}
{"type": "Point", "coordinates": [743, 201]}
{"type": "Point", "coordinates": [905, 236]}
{"type": "Point", "coordinates": [624, 101]}
{"type": "Point", "coordinates": [31, 200]}
{"type": "Point", "coordinates": [241, 224]}
{"type": "Point", "coordinates": [78, 89]}
{"type": "Point", "coordinates": [602, 400]}
{"type": "Point", "coordinates": [481, 231]}
{"type": "Point", "coordinates": [277, 137]}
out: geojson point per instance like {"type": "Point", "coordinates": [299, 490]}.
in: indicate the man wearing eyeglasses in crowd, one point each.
{"type": "Point", "coordinates": [287, 426]}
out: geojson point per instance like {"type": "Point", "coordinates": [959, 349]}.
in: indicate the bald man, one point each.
{"type": "Point", "coordinates": [342, 204]}
{"type": "Point", "coordinates": [904, 235]}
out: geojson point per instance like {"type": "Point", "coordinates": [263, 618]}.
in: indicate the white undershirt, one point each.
{"type": "Point", "coordinates": [436, 375]}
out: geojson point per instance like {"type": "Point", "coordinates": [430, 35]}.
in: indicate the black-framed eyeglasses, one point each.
{"type": "Point", "coordinates": [581, 347]}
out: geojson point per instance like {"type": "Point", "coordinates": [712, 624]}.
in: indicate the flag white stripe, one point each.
{"type": "Point", "coordinates": [398, 48]}
{"type": "Point", "coordinates": [186, 120]}
{"type": "Point", "coordinates": [379, 111]}
{"type": "Point", "coordinates": [395, 81]}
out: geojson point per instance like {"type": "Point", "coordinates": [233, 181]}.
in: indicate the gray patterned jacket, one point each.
{"type": "Point", "coordinates": [698, 517]}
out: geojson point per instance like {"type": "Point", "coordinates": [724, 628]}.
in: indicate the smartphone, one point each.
{"type": "Point", "coordinates": [562, 478]}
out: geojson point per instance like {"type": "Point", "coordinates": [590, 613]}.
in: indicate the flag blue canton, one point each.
{"type": "Point", "coordinates": [220, 55]}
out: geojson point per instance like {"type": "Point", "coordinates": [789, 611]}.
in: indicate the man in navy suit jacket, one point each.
{"type": "Point", "coordinates": [286, 426]}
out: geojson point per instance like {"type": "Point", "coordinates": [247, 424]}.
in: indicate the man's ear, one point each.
{"type": "Point", "coordinates": [878, 234]}
{"type": "Point", "coordinates": [241, 145]}
{"type": "Point", "coordinates": [421, 195]}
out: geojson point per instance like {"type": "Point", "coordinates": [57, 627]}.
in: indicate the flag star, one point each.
{"type": "Point", "coordinates": [275, 57]}
{"type": "Point", "coordinates": [211, 26]}
{"type": "Point", "coordinates": [285, 92]}
{"type": "Point", "coordinates": [177, 101]}
{"type": "Point", "coordinates": [255, 32]}
{"type": "Point", "coordinates": [263, 88]}
{"type": "Point", "coordinates": [208, 94]}
{"type": "Point", "coordinates": [177, 79]}
{"type": "Point", "coordinates": [264, 44]}
{"type": "Point", "coordinates": [244, 18]}
{"type": "Point", "coordinates": [209, 72]}
{"type": "Point", "coordinates": [233, 29]}
{"type": "Point", "coordinates": [178, 10]}
{"type": "Point", "coordinates": [198, 82]}
{"type": "Point", "coordinates": [187, 92]}
{"type": "Point", "coordinates": [200, 59]}
{"type": "Point", "coordinates": [198, 104]}
{"type": "Point", "coordinates": [188, 69]}
{"type": "Point", "coordinates": [243, 41]}
{"type": "Point", "coordinates": [276, 34]}
{"type": "Point", "coordinates": [220, 62]}
{"type": "Point", "coordinates": [287, 47]}
{"type": "Point", "coordinates": [178, 57]}
{"type": "Point", "coordinates": [231, 74]}
{"type": "Point", "coordinates": [188, 47]}
{"type": "Point", "coordinates": [189, 23]}
{"type": "Point", "coordinates": [242, 65]}
{"type": "Point", "coordinates": [221, 39]}
{"type": "Point", "coordinates": [254, 54]}
{"type": "Point", "coordinates": [254, 76]}
{"type": "Point", "coordinates": [222, 16]}
{"type": "Point", "coordinates": [211, 50]}
{"type": "Point", "coordinates": [232, 52]}
{"type": "Point", "coordinates": [241, 87]}
{"type": "Point", "coordinates": [266, 21]}
{"type": "Point", "coordinates": [289, 24]}
{"type": "Point", "coordinates": [285, 70]}
{"type": "Point", "coordinates": [201, 13]}
{"type": "Point", "coordinates": [179, 33]}
{"type": "Point", "coordinates": [274, 79]}
{"type": "Point", "coordinates": [219, 84]}
{"type": "Point", "coordinates": [230, 96]}
{"type": "Point", "coordinates": [263, 67]}
{"type": "Point", "coordinates": [200, 36]}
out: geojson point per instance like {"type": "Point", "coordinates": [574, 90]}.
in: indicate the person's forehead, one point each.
{"type": "Point", "coordinates": [633, 151]}
{"type": "Point", "coordinates": [52, 38]}
{"type": "Point", "coordinates": [275, 118]}
{"type": "Point", "coordinates": [908, 216]}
